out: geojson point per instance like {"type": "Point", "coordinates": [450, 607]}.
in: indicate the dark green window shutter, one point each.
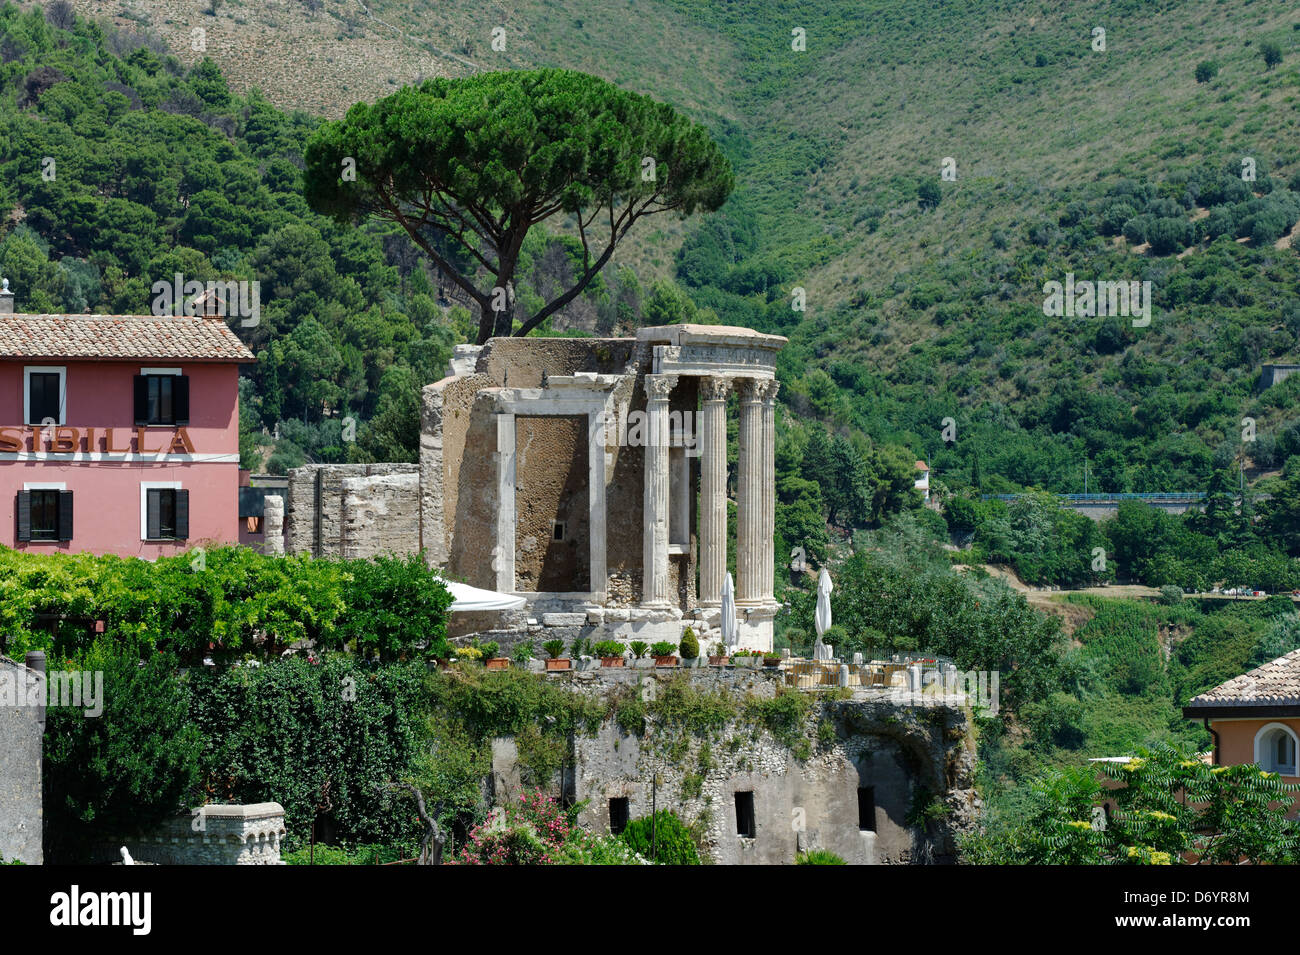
{"type": "Point", "coordinates": [182, 515]}
{"type": "Point", "coordinates": [24, 515]}
{"type": "Point", "coordinates": [141, 399]}
{"type": "Point", "coordinates": [181, 399]}
{"type": "Point", "coordinates": [152, 513]}
{"type": "Point", "coordinates": [65, 515]}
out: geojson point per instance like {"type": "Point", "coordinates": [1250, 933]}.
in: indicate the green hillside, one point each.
{"type": "Point", "coordinates": [922, 303]}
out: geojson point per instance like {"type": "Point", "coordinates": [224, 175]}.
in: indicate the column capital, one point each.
{"type": "Point", "coordinates": [751, 389]}
{"type": "Point", "coordinates": [714, 389]}
{"type": "Point", "coordinates": [768, 389]}
{"type": "Point", "coordinates": [658, 387]}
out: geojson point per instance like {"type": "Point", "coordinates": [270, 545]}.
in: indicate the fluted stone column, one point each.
{"type": "Point", "coordinates": [713, 489]}
{"type": "Point", "coordinates": [751, 522]}
{"type": "Point", "coordinates": [654, 564]}
{"type": "Point", "coordinates": [767, 553]}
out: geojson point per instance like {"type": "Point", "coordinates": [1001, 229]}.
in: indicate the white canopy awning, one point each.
{"type": "Point", "coordinates": [466, 599]}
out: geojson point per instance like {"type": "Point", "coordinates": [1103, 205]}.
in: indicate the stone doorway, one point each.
{"type": "Point", "coordinates": [552, 517]}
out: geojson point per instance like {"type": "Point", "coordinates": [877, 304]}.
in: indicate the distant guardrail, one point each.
{"type": "Point", "coordinates": [1103, 498]}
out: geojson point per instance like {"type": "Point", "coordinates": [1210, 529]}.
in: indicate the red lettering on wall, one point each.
{"type": "Point", "coordinates": [108, 443]}
{"type": "Point", "coordinates": [181, 443]}
{"type": "Point", "coordinates": [65, 440]}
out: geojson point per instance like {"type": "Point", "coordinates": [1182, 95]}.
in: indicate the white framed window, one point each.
{"type": "Point", "coordinates": [164, 511]}
{"type": "Point", "coordinates": [1275, 749]}
{"type": "Point", "coordinates": [45, 394]}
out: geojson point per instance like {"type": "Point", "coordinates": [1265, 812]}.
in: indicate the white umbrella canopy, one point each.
{"type": "Point", "coordinates": [822, 616]}
{"type": "Point", "coordinates": [466, 599]}
{"type": "Point", "coordinates": [728, 614]}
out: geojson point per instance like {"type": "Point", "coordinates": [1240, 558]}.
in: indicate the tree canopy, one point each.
{"type": "Point", "coordinates": [468, 166]}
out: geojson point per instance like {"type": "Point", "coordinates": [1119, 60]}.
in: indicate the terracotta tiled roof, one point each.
{"type": "Point", "coordinates": [188, 337]}
{"type": "Point", "coordinates": [1276, 683]}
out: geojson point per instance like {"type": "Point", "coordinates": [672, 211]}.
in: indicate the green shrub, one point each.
{"type": "Point", "coordinates": [524, 651]}
{"type": "Point", "coordinates": [819, 857]}
{"type": "Point", "coordinates": [1170, 595]}
{"type": "Point", "coordinates": [673, 842]}
{"type": "Point", "coordinates": [638, 648]}
{"type": "Point", "coordinates": [664, 648]}
{"type": "Point", "coordinates": [128, 768]}
{"type": "Point", "coordinates": [609, 648]}
{"type": "Point", "coordinates": [391, 605]}
{"type": "Point", "coordinates": [1206, 70]}
{"type": "Point", "coordinates": [690, 645]}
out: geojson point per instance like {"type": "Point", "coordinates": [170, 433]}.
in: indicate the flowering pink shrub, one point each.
{"type": "Point", "coordinates": [531, 831]}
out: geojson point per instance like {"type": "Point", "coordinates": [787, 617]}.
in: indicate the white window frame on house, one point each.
{"type": "Point", "coordinates": [1264, 752]}
{"type": "Point", "coordinates": [62, 372]}
{"type": "Point", "coordinates": [145, 488]}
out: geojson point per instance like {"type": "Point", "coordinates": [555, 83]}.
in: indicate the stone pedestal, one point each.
{"type": "Point", "coordinates": [273, 525]}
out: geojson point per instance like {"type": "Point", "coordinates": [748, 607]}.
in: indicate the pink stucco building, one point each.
{"type": "Point", "coordinates": [118, 433]}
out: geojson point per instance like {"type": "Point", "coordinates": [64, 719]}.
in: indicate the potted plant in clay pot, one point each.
{"type": "Point", "coordinates": [490, 658]}
{"type": "Point", "coordinates": [718, 657]}
{"type": "Point", "coordinates": [610, 653]}
{"type": "Point", "coordinates": [771, 660]}
{"type": "Point", "coordinates": [555, 650]}
{"type": "Point", "coordinates": [639, 650]}
{"type": "Point", "coordinates": [746, 658]}
{"type": "Point", "coordinates": [663, 653]}
{"type": "Point", "coordinates": [689, 648]}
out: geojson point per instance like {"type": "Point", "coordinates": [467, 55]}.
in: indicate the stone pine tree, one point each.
{"type": "Point", "coordinates": [468, 166]}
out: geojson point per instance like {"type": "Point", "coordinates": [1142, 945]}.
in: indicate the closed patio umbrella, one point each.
{"type": "Point", "coordinates": [822, 616]}
{"type": "Point", "coordinates": [728, 614]}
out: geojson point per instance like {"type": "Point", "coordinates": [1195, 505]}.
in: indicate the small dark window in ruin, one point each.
{"type": "Point", "coordinates": [557, 530]}
{"type": "Point", "coordinates": [867, 808]}
{"type": "Point", "coordinates": [745, 814]}
{"type": "Point", "coordinates": [618, 815]}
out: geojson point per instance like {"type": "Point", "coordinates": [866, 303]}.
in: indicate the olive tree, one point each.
{"type": "Point", "coordinates": [467, 166]}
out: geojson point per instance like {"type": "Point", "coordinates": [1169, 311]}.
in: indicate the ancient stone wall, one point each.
{"type": "Point", "coordinates": [470, 555]}
{"type": "Point", "coordinates": [524, 362]}
{"type": "Point", "coordinates": [868, 765]}
{"type": "Point", "coordinates": [444, 426]}
{"type": "Point", "coordinates": [21, 733]}
{"type": "Point", "coordinates": [315, 520]}
{"type": "Point", "coordinates": [381, 515]}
